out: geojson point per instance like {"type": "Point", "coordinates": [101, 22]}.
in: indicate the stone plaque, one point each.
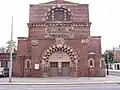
{"type": "Point", "coordinates": [34, 42]}
{"type": "Point", "coordinates": [36, 66]}
{"type": "Point", "coordinates": [58, 29]}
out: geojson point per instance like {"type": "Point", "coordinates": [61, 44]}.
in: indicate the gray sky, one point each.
{"type": "Point", "coordinates": [104, 15]}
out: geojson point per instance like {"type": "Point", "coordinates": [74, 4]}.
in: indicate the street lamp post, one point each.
{"type": "Point", "coordinates": [107, 65]}
{"type": "Point", "coordinates": [11, 44]}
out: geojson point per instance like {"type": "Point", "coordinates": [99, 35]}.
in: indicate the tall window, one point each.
{"type": "Point", "coordinates": [101, 63]}
{"type": "Point", "coordinates": [59, 15]}
{"type": "Point", "coordinates": [91, 62]}
{"type": "Point", "coordinates": [0, 63]}
{"type": "Point", "coordinates": [28, 64]}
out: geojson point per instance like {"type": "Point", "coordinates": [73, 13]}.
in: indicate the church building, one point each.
{"type": "Point", "coordinates": [59, 43]}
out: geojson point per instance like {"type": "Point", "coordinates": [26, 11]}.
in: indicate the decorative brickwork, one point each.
{"type": "Point", "coordinates": [59, 42]}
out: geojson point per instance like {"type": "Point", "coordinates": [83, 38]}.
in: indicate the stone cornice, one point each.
{"type": "Point", "coordinates": [58, 22]}
{"type": "Point", "coordinates": [14, 53]}
{"type": "Point", "coordinates": [75, 24]}
{"type": "Point", "coordinates": [80, 24]}
{"type": "Point", "coordinates": [36, 25]}
{"type": "Point", "coordinates": [95, 36]}
{"type": "Point", "coordinates": [22, 38]}
{"type": "Point", "coordinates": [43, 4]}
{"type": "Point", "coordinates": [53, 38]}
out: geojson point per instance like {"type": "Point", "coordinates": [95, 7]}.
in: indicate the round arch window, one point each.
{"type": "Point", "coordinates": [59, 14]}
{"type": "Point", "coordinates": [91, 62]}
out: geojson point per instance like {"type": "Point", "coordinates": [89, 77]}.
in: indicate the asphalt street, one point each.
{"type": "Point", "coordinates": [61, 87]}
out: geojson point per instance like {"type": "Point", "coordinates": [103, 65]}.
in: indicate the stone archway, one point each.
{"type": "Point", "coordinates": [69, 64]}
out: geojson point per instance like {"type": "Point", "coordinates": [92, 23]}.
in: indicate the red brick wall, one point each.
{"type": "Point", "coordinates": [18, 67]}
{"type": "Point", "coordinates": [95, 44]}
{"type": "Point", "coordinates": [95, 47]}
{"type": "Point", "coordinates": [80, 15]}
{"type": "Point", "coordinates": [36, 55]}
{"type": "Point", "coordinates": [22, 47]}
{"type": "Point", "coordinates": [80, 12]}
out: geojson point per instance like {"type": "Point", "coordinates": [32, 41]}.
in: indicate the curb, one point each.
{"type": "Point", "coordinates": [82, 83]}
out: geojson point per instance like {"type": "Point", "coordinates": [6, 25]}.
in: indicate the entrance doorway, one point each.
{"type": "Point", "coordinates": [59, 60]}
{"type": "Point", "coordinates": [53, 69]}
{"type": "Point", "coordinates": [118, 67]}
{"type": "Point", "coordinates": [65, 69]}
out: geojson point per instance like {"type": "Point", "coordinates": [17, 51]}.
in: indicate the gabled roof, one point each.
{"type": "Point", "coordinates": [62, 2]}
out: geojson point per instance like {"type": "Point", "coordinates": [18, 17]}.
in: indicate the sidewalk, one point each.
{"type": "Point", "coordinates": [61, 80]}
{"type": "Point", "coordinates": [114, 70]}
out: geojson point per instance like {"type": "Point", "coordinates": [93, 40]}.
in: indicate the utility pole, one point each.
{"type": "Point", "coordinates": [11, 47]}
{"type": "Point", "coordinates": [107, 66]}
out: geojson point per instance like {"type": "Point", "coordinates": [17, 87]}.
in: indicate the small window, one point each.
{"type": "Point", "coordinates": [91, 62]}
{"type": "Point", "coordinates": [54, 64]}
{"type": "Point", "coordinates": [28, 64]}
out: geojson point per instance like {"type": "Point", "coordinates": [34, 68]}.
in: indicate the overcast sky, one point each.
{"type": "Point", "coordinates": [104, 15]}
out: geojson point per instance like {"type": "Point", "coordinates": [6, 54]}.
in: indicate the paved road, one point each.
{"type": "Point", "coordinates": [60, 87]}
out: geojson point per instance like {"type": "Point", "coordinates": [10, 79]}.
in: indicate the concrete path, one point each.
{"type": "Point", "coordinates": [63, 80]}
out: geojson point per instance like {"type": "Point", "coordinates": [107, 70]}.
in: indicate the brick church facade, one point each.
{"type": "Point", "coordinates": [59, 43]}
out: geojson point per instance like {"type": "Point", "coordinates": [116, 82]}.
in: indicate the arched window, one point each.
{"type": "Point", "coordinates": [28, 64]}
{"type": "Point", "coordinates": [58, 14]}
{"type": "Point", "coordinates": [91, 63]}
{"type": "Point", "coordinates": [102, 63]}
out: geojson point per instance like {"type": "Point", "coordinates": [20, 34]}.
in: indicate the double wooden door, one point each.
{"type": "Point", "coordinates": [65, 69]}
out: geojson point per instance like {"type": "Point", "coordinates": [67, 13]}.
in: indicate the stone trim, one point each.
{"type": "Point", "coordinates": [63, 47]}
{"type": "Point", "coordinates": [95, 36]}
{"type": "Point", "coordinates": [22, 38]}
{"type": "Point", "coordinates": [92, 53]}
{"type": "Point", "coordinates": [38, 25]}
{"type": "Point", "coordinates": [58, 7]}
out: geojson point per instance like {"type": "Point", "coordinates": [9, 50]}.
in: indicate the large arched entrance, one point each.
{"type": "Point", "coordinates": [60, 60]}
